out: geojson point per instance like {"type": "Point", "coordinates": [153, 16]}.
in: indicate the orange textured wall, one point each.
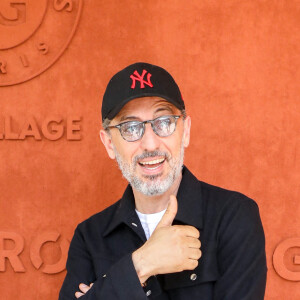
{"type": "Point", "coordinates": [237, 63]}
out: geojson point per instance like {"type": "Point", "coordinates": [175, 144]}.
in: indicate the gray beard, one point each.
{"type": "Point", "coordinates": [151, 185]}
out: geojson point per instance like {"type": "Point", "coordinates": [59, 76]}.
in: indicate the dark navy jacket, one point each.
{"type": "Point", "coordinates": [232, 266]}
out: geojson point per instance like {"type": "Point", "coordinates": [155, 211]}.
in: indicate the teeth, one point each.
{"type": "Point", "coordinates": [152, 162]}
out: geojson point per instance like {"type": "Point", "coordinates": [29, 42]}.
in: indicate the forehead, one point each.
{"type": "Point", "coordinates": [146, 105]}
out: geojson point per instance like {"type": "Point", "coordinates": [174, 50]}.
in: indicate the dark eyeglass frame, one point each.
{"type": "Point", "coordinates": [119, 126]}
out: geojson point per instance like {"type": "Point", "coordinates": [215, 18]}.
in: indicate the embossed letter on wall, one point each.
{"type": "Point", "coordinates": [28, 43]}
{"type": "Point", "coordinates": [13, 255]}
{"type": "Point", "coordinates": [286, 259]}
{"type": "Point", "coordinates": [52, 128]}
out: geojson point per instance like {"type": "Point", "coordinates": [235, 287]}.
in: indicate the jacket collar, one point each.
{"type": "Point", "coordinates": [189, 205]}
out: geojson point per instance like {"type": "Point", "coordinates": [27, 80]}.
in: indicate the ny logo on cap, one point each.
{"type": "Point", "coordinates": [136, 76]}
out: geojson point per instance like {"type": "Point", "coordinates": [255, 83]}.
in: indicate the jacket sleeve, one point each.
{"type": "Point", "coordinates": [119, 283]}
{"type": "Point", "coordinates": [241, 253]}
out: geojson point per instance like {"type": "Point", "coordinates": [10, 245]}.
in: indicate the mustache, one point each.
{"type": "Point", "coordinates": [147, 154]}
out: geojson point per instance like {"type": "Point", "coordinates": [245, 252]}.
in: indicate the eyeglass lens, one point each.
{"type": "Point", "coordinates": [162, 126]}
{"type": "Point", "coordinates": [132, 131]}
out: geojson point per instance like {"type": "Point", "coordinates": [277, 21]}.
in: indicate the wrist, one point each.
{"type": "Point", "coordinates": [141, 266]}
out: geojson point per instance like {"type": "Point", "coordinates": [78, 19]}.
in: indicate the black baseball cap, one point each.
{"type": "Point", "coordinates": [136, 81]}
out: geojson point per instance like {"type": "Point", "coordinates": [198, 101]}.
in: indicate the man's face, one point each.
{"type": "Point", "coordinates": [152, 163]}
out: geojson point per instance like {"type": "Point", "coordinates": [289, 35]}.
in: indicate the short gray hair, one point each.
{"type": "Point", "coordinates": [106, 123]}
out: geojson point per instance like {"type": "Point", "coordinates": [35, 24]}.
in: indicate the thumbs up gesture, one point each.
{"type": "Point", "coordinates": [170, 248]}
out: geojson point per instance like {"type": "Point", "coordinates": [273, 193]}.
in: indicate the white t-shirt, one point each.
{"type": "Point", "coordinates": [150, 221]}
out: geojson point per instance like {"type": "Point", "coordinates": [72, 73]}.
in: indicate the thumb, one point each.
{"type": "Point", "coordinates": [170, 213]}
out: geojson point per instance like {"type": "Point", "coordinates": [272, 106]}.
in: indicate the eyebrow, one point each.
{"type": "Point", "coordinates": [167, 107]}
{"type": "Point", "coordinates": [124, 118]}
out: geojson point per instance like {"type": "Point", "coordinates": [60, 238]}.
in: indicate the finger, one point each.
{"type": "Point", "coordinates": [91, 284]}
{"type": "Point", "coordinates": [192, 242]}
{"type": "Point", "coordinates": [78, 294]}
{"type": "Point", "coordinates": [194, 253]}
{"type": "Point", "coordinates": [170, 213]}
{"type": "Point", "coordinates": [191, 231]}
{"type": "Point", "coordinates": [191, 264]}
{"type": "Point", "coordinates": [83, 287]}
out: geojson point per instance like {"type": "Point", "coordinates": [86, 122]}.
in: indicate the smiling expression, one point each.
{"type": "Point", "coordinates": [152, 163]}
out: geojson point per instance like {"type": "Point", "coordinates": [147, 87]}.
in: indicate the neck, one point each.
{"type": "Point", "coordinates": [153, 204]}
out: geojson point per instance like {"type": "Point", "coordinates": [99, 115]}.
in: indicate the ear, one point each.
{"type": "Point", "coordinates": [107, 142]}
{"type": "Point", "coordinates": [187, 131]}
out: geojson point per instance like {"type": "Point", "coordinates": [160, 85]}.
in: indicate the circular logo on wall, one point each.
{"type": "Point", "coordinates": [33, 35]}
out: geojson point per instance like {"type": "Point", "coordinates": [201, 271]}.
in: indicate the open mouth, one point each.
{"type": "Point", "coordinates": [152, 164]}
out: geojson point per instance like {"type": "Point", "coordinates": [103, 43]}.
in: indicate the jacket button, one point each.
{"type": "Point", "coordinates": [148, 293]}
{"type": "Point", "coordinates": [193, 276]}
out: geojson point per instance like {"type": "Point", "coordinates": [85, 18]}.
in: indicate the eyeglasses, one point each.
{"type": "Point", "coordinates": [132, 131]}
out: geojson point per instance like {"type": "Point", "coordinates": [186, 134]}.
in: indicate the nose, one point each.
{"type": "Point", "coordinates": [150, 141]}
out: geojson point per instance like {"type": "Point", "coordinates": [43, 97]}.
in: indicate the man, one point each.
{"type": "Point", "coordinates": [147, 245]}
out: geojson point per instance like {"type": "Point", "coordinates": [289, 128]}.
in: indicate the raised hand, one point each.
{"type": "Point", "coordinates": [170, 249]}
